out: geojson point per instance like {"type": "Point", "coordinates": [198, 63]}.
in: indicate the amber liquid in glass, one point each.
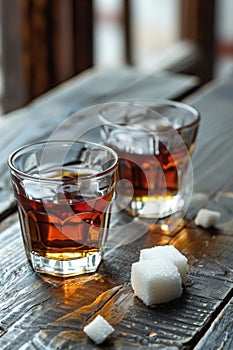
{"type": "Point", "coordinates": [67, 227]}
{"type": "Point", "coordinates": [150, 177]}
{"type": "Point", "coordinates": [150, 174]}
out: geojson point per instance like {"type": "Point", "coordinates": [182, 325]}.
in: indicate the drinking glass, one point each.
{"type": "Point", "coordinates": [154, 142]}
{"type": "Point", "coordinates": [64, 191]}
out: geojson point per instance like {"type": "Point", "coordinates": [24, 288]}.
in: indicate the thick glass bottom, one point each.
{"type": "Point", "coordinates": [66, 268]}
{"type": "Point", "coordinates": [151, 207]}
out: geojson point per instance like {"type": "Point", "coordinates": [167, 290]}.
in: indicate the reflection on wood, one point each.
{"type": "Point", "coordinates": [42, 312]}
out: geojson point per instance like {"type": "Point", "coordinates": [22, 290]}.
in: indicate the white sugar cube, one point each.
{"type": "Point", "coordinates": [167, 252]}
{"type": "Point", "coordinates": [206, 218]}
{"type": "Point", "coordinates": [98, 329]}
{"type": "Point", "coordinates": [156, 281]}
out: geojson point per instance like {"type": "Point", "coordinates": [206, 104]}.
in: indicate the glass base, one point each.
{"type": "Point", "coordinates": [151, 207]}
{"type": "Point", "coordinates": [66, 268]}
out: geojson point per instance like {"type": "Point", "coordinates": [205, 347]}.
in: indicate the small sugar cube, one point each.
{"type": "Point", "coordinates": [167, 252]}
{"type": "Point", "coordinates": [98, 330]}
{"type": "Point", "coordinates": [206, 218]}
{"type": "Point", "coordinates": [156, 281]}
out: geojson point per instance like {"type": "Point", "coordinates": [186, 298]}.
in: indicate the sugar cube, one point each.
{"type": "Point", "coordinates": [156, 281]}
{"type": "Point", "coordinates": [167, 252]}
{"type": "Point", "coordinates": [206, 218]}
{"type": "Point", "coordinates": [98, 329]}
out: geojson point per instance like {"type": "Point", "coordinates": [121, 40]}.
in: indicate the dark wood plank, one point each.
{"type": "Point", "coordinates": [219, 336]}
{"type": "Point", "coordinates": [213, 155]}
{"type": "Point", "coordinates": [127, 28]}
{"type": "Point", "coordinates": [83, 35]}
{"type": "Point", "coordinates": [44, 42]}
{"type": "Point", "coordinates": [12, 58]}
{"type": "Point", "coordinates": [197, 24]}
{"type": "Point", "coordinates": [62, 60]}
{"type": "Point", "coordinates": [56, 311]}
{"type": "Point", "coordinates": [38, 311]}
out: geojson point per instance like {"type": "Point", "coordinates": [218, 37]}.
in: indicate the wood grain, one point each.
{"type": "Point", "coordinates": [43, 312]}
{"type": "Point", "coordinates": [46, 311]}
{"type": "Point", "coordinates": [220, 333]}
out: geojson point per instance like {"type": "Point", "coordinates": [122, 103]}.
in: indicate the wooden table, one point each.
{"type": "Point", "coordinates": [42, 312]}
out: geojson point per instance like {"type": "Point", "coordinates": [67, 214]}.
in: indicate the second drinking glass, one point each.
{"type": "Point", "coordinates": [154, 142]}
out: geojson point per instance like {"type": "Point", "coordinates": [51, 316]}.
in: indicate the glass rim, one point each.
{"type": "Point", "coordinates": [182, 105]}
{"type": "Point", "coordinates": [149, 104]}
{"type": "Point", "coordinates": [58, 180]}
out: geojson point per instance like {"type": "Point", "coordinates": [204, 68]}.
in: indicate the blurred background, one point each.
{"type": "Point", "coordinates": [46, 42]}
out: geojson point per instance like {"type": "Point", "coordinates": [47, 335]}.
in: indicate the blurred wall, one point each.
{"type": "Point", "coordinates": [155, 27]}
